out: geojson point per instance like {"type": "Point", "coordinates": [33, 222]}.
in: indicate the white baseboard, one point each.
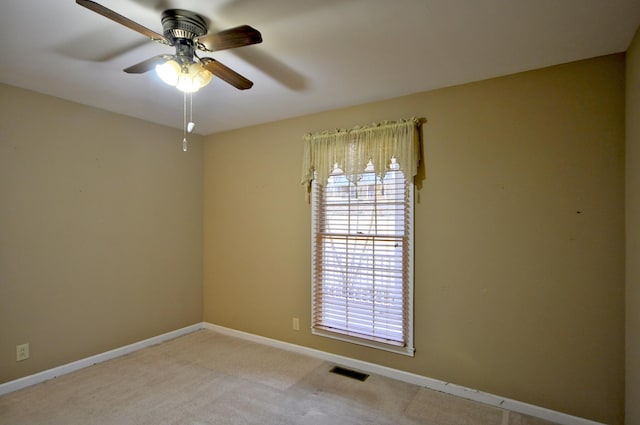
{"type": "Point", "coordinates": [37, 378]}
{"type": "Point", "coordinates": [434, 384]}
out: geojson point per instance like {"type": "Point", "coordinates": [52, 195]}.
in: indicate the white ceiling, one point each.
{"type": "Point", "coordinates": [316, 55]}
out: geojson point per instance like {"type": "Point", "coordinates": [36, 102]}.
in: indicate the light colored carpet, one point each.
{"type": "Point", "coordinates": [208, 378]}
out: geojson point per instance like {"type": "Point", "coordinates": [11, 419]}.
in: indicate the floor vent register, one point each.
{"type": "Point", "coordinates": [349, 373]}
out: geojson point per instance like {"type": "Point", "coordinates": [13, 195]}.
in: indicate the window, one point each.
{"type": "Point", "coordinates": [362, 233]}
{"type": "Point", "coordinates": [362, 258]}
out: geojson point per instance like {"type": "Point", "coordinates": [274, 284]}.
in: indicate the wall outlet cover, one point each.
{"type": "Point", "coordinates": [22, 352]}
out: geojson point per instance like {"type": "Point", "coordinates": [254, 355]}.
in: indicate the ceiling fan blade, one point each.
{"type": "Point", "coordinates": [146, 65]}
{"type": "Point", "coordinates": [227, 74]}
{"type": "Point", "coordinates": [243, 35]}
{"type": "Point", "coordinates": [108, 13]}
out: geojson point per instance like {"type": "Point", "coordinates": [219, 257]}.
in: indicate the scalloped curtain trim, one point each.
{"type": "Point", "coordinates": [353, 149]}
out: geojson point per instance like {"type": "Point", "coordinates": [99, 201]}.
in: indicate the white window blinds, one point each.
{"type": "Point", "coordinates": [362, 265]}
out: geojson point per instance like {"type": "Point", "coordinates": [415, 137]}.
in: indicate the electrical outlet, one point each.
{"type": "Point", "coordinates": [22, 352]}
{"type": "Point", "coordinates": [296, 324]}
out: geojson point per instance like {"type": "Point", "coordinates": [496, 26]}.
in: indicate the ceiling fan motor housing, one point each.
{"type": "Point", "coordinates": [179, 24]}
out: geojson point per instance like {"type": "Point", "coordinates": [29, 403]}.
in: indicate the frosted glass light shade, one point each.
{"type": "Point", "coordinates": [189, 78]}
{"type": "Point", "coordinates": [169, 72]}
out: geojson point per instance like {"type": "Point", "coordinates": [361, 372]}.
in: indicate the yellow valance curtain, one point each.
{"type": "Point", "coordinates": [353, 149]}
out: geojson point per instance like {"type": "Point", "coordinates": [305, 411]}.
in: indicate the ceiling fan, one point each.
{"type": "Point", "coordinates": [187, 32]}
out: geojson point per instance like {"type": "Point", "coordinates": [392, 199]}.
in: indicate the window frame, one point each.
{"type": "Point", "coordinates": [408, 349]}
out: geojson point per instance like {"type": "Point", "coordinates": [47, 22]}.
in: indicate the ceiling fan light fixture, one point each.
{"type": "Point", "coordinates": [188, 78]}
{"type": "Point", "coordinates": [169, 72]}
{"type": "Point", "coordinates": [187, 32]}
{"type": "Point", "coordinates": [195, 77]}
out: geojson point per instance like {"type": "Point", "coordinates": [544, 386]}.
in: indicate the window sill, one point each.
{"type": "Point", "coordinates": [406, 351]}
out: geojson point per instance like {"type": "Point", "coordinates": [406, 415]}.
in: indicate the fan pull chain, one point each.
{"type": "Point", "coordinates": [190, 124]}
{"type": "Point", "coordinates": [184, 122]}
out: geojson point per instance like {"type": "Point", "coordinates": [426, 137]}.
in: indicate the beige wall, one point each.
{"type": "Point", "coordinates": [519, 279]}
{"type": "Point", "coordinates": [633, 233]}
{"type": "Point", "coordinates": [100, 231]}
